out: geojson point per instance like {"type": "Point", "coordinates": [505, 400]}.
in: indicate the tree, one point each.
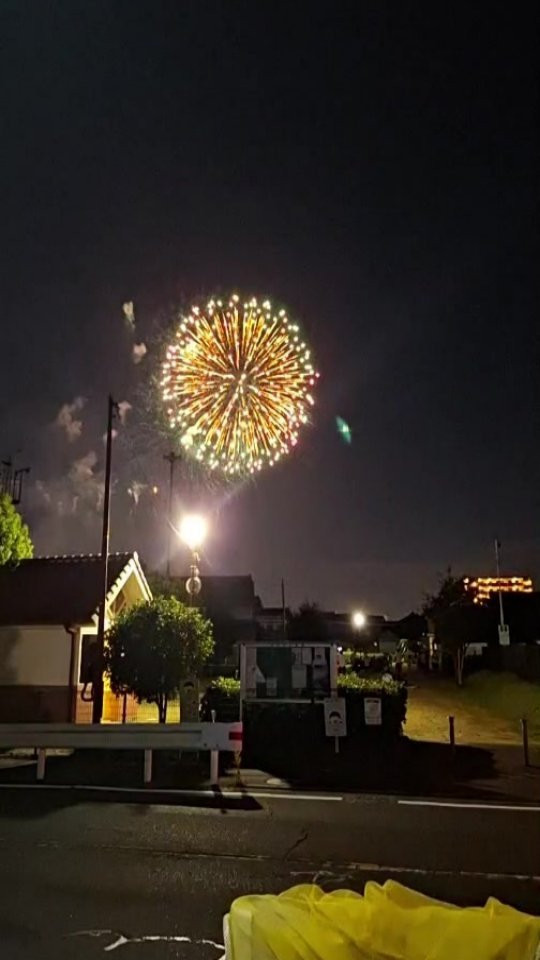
{"type": "Point", "coordinates": [155, 645]}
{"type": "Point", "coordinates": [15, 542]}
{"type": "Point", "coordinates": [456, 619]}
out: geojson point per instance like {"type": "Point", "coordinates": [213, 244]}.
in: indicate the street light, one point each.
{"type": "Point", "coordinates": [358, 619]}
{"type": "Point", "coordinates": [193, 529]}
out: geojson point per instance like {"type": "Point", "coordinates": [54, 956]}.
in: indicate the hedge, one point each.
{"type": "Point", "coordinates": [303, 723]}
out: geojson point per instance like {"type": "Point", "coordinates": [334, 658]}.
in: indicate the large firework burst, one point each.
{"type": "Point", "coordinates": [237, 384]}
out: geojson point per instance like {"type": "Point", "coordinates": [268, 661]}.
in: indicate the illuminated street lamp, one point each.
{"type": "Point", "coordinates": [358, 619]}
{"type": "Point", "coordinates": [193, 529]}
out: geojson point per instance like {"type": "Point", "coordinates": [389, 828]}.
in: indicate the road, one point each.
{"type": "Point", "coordinates": [86, 878]}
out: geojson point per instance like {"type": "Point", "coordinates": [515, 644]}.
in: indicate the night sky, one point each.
{"type": "Point", "coordinates": [371, 166]}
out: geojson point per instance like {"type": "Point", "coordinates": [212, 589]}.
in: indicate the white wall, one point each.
{"type": "Point", "coordinates": [35, 656]}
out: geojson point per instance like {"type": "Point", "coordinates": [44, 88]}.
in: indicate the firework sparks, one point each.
{"type": "Point", "coordinates": [238, 384]}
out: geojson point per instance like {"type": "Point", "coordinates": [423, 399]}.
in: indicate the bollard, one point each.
{"type": "Point", "coordinates": [214, 759]}
{"type": "Point", "coordinates": [42, 757]}
{"type": "Point", "coordinates": [147, 766]}
{"type": "Point", "coordinates": [452, 734]}
{"type": "Point", "coordinates": [525, 735]}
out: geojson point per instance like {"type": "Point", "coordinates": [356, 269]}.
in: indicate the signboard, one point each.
{"type": "Point", "coordinates": [373, 711]}
{"type": "Point", "coordinates": [251, 672]}
{"type": "Point", "coordinates": [335, 717]}
{"type": "Point", "coordinates": [189, 701]}
{"type": "Point", "coordinates": [504, 635]}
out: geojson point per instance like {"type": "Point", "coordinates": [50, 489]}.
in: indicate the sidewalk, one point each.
{"type": "Point", "coordinates": [495, 774]}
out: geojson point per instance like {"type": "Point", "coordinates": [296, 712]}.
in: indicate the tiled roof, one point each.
{"type": "Point", "coordinates": [63, 589]}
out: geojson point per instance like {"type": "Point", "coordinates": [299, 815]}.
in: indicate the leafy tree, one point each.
{"type": "Point", "coordinates": [456, 619]}
{"type": "Point", "coordinates": [155, 645]}
{"type": "Point", "coordinates": [15, 542]}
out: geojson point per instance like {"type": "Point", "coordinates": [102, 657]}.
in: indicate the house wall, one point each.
{"type": "Point", "coordinates": [35, 674]}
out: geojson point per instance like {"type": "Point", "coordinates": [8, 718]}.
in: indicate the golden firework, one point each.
{"type": "Point", "coordinates": [237, 384]}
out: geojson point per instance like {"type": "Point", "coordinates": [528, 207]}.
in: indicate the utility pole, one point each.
{"type": "Point", "coordinates": [97, 686]}
{"type": "Point", "coordinates": [504, 632]}
{"type": "Point", "coordinates": [172, 458]}
{"type": "Point", "coordinates": [283, 610]}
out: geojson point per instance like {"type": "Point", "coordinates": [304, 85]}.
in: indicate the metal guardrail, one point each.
{"type": "Point", "coordinates": [148, 737]}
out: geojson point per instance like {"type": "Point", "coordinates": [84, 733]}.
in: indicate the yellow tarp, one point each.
{"type": "Point", "coordinates": [389, 922]}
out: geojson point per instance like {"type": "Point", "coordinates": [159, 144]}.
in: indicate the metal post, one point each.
{"type": "Point", "coordinates": [147, 766]}
{"type": "Point", "coordinates": [525, 735]}
{"type": "Point", "coordinates": [171, 458]}
{"type": "Point", "coordinates": [214, 759]}
{"type": "Point", "coordinates": [42, 758]}
{"type": "Point", "coordinates": [97, 686]}
{"type": "Point", "coordinates": [452, 734]}
{"type": "Point", "coordinates": [498, 567]}
{"type": "Point", "coordinates": [283, 610]}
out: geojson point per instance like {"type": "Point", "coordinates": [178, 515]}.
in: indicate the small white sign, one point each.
{"type": "Point", "coordinates": [189, 700]}
{"type": "Point", "coordinates": [373, 711]}
{"type": "Point", "coordinates": [335, 717]}
{"type": "Point", "coordinates": [271, 686]}
{"type": "Point", "coordinates": [504, 635]}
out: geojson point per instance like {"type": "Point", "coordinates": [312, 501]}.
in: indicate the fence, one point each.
{"type": "Point", "coordinates": [125, 710]}
{"type": "Point", "coordinates": [211, 737]}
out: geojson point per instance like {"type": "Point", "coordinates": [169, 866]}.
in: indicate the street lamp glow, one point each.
{"type": "Point", "coordinates": [358, 619]}
{"type": "Point", "coordinates": [193, 529]}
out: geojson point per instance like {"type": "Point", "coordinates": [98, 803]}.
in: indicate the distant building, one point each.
{"type": "Point", "coordinates": [482, 588]}
{"type": "Point", "coordinates": [230, 603]}
{"type": "Point", "coordinates": [271, 621]}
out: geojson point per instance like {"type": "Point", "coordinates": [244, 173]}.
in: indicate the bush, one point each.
{"type": "Point", "coordinates": [370, 686]}
{"type": "Point", "coordinates": [393, 695]}
{"type": "Point", "coordinates": [226, 685]}
{"type": "Point", "coordinates": [223, 696]}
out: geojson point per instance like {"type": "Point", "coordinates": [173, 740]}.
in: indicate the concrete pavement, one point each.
{"type": "Point", "coordinates": [84, 879]}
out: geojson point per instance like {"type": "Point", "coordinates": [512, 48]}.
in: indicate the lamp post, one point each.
{"type": "Point", "coordinates": [193, 530]}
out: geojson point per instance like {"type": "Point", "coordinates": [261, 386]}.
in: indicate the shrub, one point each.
{"type": "Point", "coordinates": [393, 695]}
{"type": "Point", "coordinates": [226, 685]}
{"type": "Point", "coordinates": [370, 686]}
{"type": "Point", "coordinates": [223, 696]}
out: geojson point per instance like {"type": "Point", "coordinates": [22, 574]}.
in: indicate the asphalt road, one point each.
{"type": "Point", "coordinates": [88, 878]}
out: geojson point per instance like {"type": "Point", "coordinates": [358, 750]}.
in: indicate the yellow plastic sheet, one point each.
{"type": "Point", "coordinates": [389, 922]}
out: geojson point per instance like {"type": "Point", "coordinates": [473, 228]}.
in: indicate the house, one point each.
{"type": "Point", "coordinates": [48, 621]}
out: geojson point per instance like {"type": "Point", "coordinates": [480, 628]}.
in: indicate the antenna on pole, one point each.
{"type": "Point", "coordinates": [11, 480]}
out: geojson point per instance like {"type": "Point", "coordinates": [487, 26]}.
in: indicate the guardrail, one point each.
{"type": "Point", "coordinates": [214, 737]}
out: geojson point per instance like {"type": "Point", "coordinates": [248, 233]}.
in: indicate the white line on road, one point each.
{"type": "Point", "coordinates": [347, 871]}
{"type": "Point", "coordinates": [121, 940]}
{"type": "Point", "coordinates": [470, 806]}
{"type": "Point", "coordinates": [163, 791]}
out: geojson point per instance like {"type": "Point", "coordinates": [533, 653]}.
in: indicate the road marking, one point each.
{"type": "Point", "coordinates": [173, 792]}
{"type": "Point", "coordinates": [346, 872]}
{"type": "Point", "coordinates": [470, 806]}
{"type": "Point", "coordinates": [121, 940]}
